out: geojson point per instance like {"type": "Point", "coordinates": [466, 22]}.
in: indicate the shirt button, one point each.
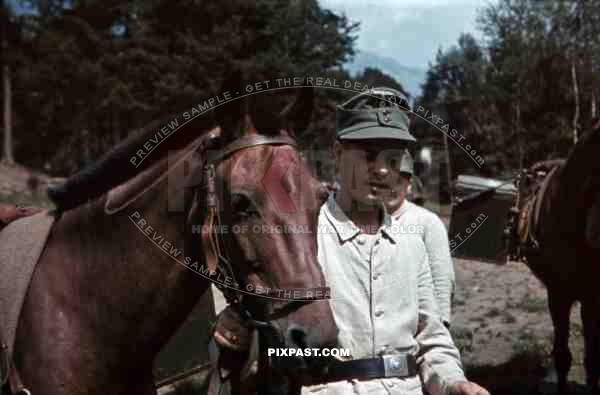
{"type": "Point", "coordinates": [376, 276]}
{"type": "Point", "coordinates": [361, 240]}
{"type": "Point", "coordinates": [378, 313]}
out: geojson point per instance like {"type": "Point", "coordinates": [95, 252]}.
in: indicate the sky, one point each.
{"type": "Point", "coordinates": [410, 31]}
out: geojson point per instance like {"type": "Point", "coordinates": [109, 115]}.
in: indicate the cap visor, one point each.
{"type": "Point", "coordinates": [375, 132]}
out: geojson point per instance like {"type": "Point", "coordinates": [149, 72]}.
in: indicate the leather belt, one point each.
{"type": "Point", "coordinates": [395, 365]}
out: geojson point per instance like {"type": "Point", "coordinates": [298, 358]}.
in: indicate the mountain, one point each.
{"type": "Point", "coordinates": [411, 78]}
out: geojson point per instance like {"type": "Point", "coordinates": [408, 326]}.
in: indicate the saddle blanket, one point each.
{"type": "Point", "coordinates": [21, 244]}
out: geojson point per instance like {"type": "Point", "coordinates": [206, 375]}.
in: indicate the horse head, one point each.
{"type": "Point", "coordinates": [266, 213]}
{"type": "Point", "coordinates": [228, 198]}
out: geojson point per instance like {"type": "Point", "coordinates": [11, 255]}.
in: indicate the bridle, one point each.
{"type": "Point", "coordinates": [263, 331]}
{"type": "Point", "coordinates": [215, 245]}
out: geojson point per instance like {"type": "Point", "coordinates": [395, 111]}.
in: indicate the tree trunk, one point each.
{"type": "Point", "coordinates": [519, 135]}
{"type": "Point", "coordinates": [8, 141]}
{"type": "Point", "coordinates": [576, 96]}
{"type": "Point", "coordinates": [448, 166]}
{"type": "Point", "coordinates": [7, 154]}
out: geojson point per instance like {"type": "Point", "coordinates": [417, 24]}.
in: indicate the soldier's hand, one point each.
{"type": "Point", "coordinates": [231, 332]}
{"type": "Point", "coordinates": [467, 388]}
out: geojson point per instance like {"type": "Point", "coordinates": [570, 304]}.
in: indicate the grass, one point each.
{"type": "Point", "coordinates": [27, 199]}
{"type": "Point", "coordinates": [463, 338]}
{"type": "Point", "coordinates": [518, 376]}
{"type": "Point", "coordinates": [533, 304]}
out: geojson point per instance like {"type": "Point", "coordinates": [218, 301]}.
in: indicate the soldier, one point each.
{"type": "Point", "coordinates": [380, 278]}
{"type": "Point", "coordinates": [411, 216]}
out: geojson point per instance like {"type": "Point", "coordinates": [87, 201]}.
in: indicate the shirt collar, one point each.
{"type": "Point", "coordinates": [345, 228]}
{"type": "Point", "coordinates": [402, 209]}
{"type": "Point", "coordinates": [387, 227]}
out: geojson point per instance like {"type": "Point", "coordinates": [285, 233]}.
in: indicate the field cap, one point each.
{"type": "Point", "coordinates": [378, 113]}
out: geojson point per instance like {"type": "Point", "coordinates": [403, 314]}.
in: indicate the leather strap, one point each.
{"type": "Point", "coordinates": [15, 383]}
{"type": "Point", "coordinates": [401, 365]}
{"type": "Point", "coordinates": [9, 373]}
{"type": "Point", "coordinates": [247, 142]}
{"type": "Point", "coordinates": [299, 294]}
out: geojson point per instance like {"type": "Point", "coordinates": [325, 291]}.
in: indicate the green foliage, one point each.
{"type": "Point", "coordinates": [91, 71]}
{"type": "Point", "coordinates": [512, 95]}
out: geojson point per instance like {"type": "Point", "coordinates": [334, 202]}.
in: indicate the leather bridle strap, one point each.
{"type": "Point", "coordinates": [216, 243]}
{"type": "Point", "coordinates": [15, 383]}
{"type": "Point", "coordinates": [9, 373]}
{"type": "Point", "coordinates": [247, 142]}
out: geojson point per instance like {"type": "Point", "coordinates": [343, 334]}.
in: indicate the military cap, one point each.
{"type": "Point", "coordinates": [378, 113]}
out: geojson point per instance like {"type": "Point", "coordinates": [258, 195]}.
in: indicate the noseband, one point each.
{"type": "Point", "coordinates": [215, 245]}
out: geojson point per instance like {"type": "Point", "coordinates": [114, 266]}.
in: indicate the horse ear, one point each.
{"type": "Point", "coordinates": [296, 115]}
{"type": "Point", "coordinates": [230, 115]}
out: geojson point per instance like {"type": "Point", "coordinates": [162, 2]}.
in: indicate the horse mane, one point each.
{"type": "Point", "coordinates": [115, 168]}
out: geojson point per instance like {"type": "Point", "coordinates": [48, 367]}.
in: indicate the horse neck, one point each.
{"type": "Point", "coordinates": [109, 297]}
{"type": "Point", "coordinates": [133, 290]}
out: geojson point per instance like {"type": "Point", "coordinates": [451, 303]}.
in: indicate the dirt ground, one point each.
{"type": "Point", "coordinates": [500, 317]}
{"type": "Point", "coordinates": [503, 329]}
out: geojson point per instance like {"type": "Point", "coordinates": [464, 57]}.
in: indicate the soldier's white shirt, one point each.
{"type": "Point", "coordinates": [412, 218]}
{"type": "Point", "coordinates": [382, 302]}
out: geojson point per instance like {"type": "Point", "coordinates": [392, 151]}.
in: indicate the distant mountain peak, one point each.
{"type": "Point", "coordinates": [411, 78]}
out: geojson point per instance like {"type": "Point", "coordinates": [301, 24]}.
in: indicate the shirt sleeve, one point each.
{"type": "Point", "coordinates": [438, 359]}
{"type": "Point", "coordinates": [440, 261]}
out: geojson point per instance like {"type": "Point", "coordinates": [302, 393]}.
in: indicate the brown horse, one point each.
{"type": "Point", "coordinates": [560, 229]}
{"type": "Point", "coordinates": [104, 300]}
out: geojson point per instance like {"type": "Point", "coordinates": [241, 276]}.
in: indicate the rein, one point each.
{"type": "Point", "coordinates": [216, 245]}
{"type": "Point", "coordinates": [262, 329]}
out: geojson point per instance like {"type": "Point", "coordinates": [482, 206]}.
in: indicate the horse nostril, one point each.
{"type": "Point", "coordinates": [298, 336]}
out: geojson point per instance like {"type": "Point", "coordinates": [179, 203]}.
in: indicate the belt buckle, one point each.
{"type": "Point", "coordinates": [395, 365]}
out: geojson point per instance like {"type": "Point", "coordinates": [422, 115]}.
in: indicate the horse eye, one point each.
{"type": "Point", "coordinates": [256, 265]}
{"type": "Point", "coordinates": [243, 206]}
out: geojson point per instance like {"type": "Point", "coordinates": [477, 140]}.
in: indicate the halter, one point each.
{"type": "Point", "coordinates": [216, 245]}
{"type": "Point", "coordinates": [262, 330]}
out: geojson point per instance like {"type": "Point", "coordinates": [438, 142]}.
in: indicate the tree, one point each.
{"type": "Point", "coordinates": [374, 77]}
{"type": "Point", "coordinates": [8, 45]}
{"type": "Point", "coordinates": [524, 91]}
{"type": "Point", "coordinates": [101, 69]}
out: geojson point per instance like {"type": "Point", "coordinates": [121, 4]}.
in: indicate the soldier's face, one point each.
{"type": "Point", "coordinates": [369, 171]}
